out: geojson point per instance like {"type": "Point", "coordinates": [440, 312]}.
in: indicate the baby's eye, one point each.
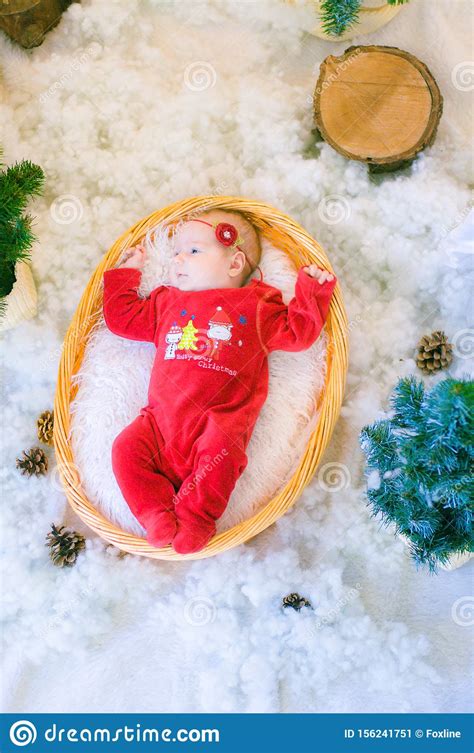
{"type": "Point", "coordinates": [194, 250]}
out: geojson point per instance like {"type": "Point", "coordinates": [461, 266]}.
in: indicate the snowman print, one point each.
{"type": "Point", "coordinates": [172, 339]}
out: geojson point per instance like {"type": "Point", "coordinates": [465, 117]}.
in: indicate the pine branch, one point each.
{"type": "Point", "coordinates": [423, 457]}
{"type": "Point", "coordinates": [407, 401]}
{"type": "Point", "coordinates": [380, 445]}
{"type": "Point", "coordinates": [339, 15]}
{"type": "Point", "coordinates": [16, 239]}
{"type": "Point", "coordinates": [450, 412]}
{"type": "Point", "coordinates": [18, 184]}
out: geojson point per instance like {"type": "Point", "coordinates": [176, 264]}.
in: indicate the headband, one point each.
{"type": "Point", "coordinates": [228, 235]}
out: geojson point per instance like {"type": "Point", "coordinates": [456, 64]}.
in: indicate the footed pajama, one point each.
{"type": "Point", "coordinates": [179, 460]}
{"type": "Point", "coordinates": [157, 479]}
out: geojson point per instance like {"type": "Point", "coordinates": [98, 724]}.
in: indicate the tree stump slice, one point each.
{"type": "Point", "coordinates": [28, 21]}
{"type": "Point", "coordinates": [378, 105]}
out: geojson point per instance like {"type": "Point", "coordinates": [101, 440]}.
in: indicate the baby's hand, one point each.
{"type": "Point", "coordinates": [134, 257]}
{"type": "Point", "coordinates": [321, 275]}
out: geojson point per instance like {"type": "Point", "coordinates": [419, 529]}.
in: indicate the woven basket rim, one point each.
{"type": "Point", "coordinates": [301, 248]}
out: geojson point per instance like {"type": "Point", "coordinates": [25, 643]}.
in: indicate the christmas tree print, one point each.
{"type": "Point", "coordinates": [188, 340]}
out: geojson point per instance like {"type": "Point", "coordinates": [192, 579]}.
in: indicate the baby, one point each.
{"type": "Point", "coordinates": [179, 460]}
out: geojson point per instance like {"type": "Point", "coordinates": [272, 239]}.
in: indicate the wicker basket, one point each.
{"type": "Point", "coordinates": [282, 231]}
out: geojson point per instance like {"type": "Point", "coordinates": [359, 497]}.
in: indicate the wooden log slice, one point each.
{"type": "Point", "coordinates": [27, 21]}
{"type": "Point", "coordinates": [378, 105]}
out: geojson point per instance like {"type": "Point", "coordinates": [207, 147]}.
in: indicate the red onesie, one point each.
{"type": "Point", "coordinates": [178, 461]}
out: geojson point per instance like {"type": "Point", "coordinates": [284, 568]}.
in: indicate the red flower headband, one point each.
{"type": "Point", "coordinates": [228, 235]}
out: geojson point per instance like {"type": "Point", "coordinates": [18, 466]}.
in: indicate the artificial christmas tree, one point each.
{"type": "Point", "coordinates": [189, 339]}
{"type": "Point", "coordinates": [17, 292]}
{"type": "Point", "coordinates": [420, 469]}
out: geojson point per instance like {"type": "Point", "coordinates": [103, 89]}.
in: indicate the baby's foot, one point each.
{"type": "Point", "coordinates": [161, 529]}
{"type": "Point", "coordinates": [193, 535]}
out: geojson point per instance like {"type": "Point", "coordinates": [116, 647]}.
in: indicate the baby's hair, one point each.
{"type": "Point", "coordinates": [246, 228]}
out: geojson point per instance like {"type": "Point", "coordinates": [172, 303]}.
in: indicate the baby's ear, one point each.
{"type": "Point", "coordinates": [238, 262]}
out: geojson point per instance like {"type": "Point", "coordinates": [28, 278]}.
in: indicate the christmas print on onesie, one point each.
{"type": "Point", "coordinates": [201, 343]}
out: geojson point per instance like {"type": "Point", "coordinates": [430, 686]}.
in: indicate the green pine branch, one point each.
{"type": "Point", "coordinates": [406, 401]}
{"type": "Point", "coordinates": [18, 184]}
{"type": "Point", "coordinates": [339, 15]}
{"type": "Point", "coordinates": [420, 464]}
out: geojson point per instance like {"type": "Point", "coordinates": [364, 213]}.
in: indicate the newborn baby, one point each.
{"type": "Point", "coordinates": [178, 461]}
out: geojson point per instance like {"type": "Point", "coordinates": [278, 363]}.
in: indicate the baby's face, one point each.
{"type": "Point", "coordinates": [200, 261]}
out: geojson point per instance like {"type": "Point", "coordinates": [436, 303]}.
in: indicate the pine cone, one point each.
{"type": "Point", "coordinates": [64, 545]}
{"type": "Point", "coordinates": [434, 352]}
{"type": "Point", "coordinates": [33, 463]}
{"type": "Point", "coordinates": [296, 601]}
{"type": "Point", "coordinates": [45, 427]}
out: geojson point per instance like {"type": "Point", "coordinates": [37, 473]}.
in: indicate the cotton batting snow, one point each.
{"type": "Point", "coordinates": [128, 107]}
